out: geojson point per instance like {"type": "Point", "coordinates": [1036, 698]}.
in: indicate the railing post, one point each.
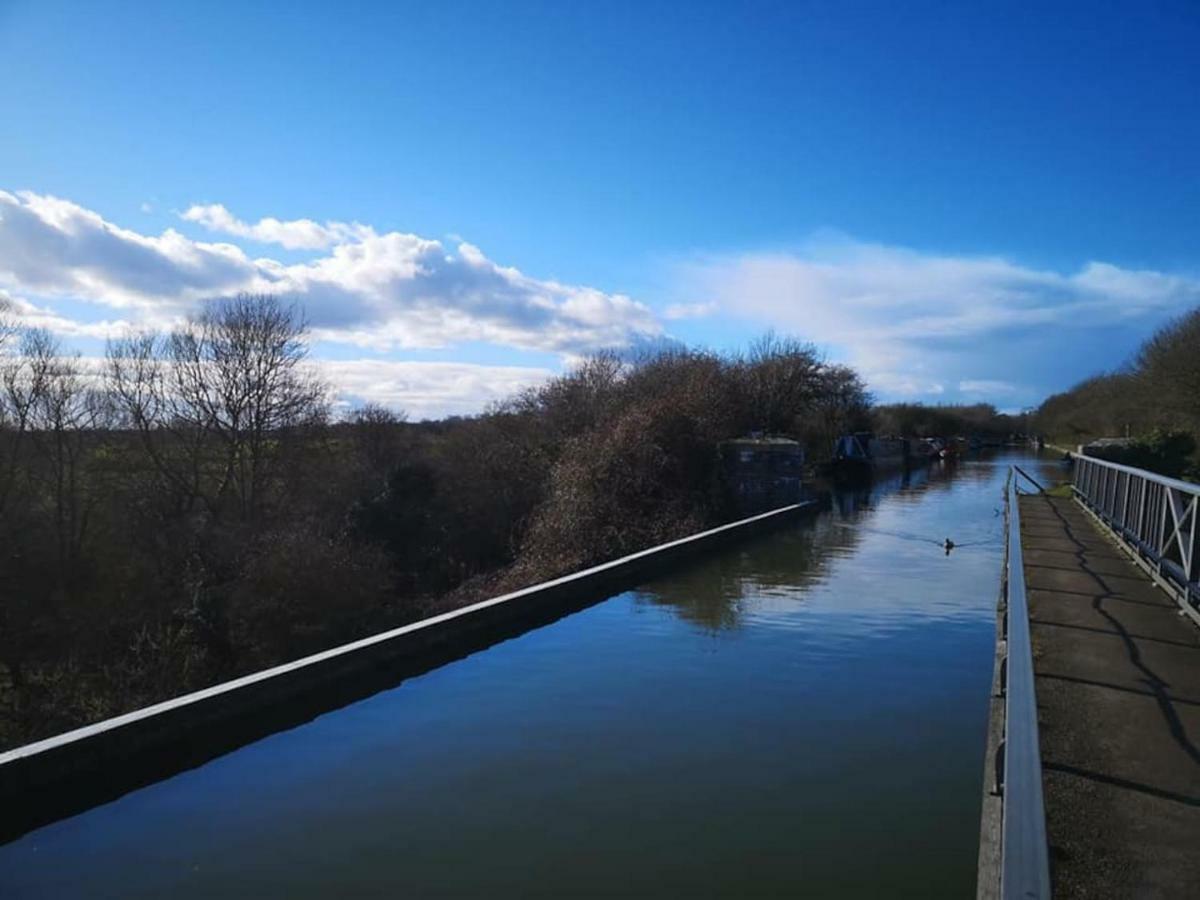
{"type": "Point", "coordinates": [1143, 487]}
{"type": "Point", "coordinates": [1189, 562]}
{"type": "Point", "coordinates": [1160, 546]}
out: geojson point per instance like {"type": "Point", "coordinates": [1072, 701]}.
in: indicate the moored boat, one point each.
{"type": "Point", "coordinates": [857, 456]}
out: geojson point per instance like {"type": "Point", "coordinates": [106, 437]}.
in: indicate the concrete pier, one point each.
{"type": "Point", "coordinates": [1117, 671]}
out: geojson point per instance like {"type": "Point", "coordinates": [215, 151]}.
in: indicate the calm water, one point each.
{"type": "Point", "coordinates": [800, 715]}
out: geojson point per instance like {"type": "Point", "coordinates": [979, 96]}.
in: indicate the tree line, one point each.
{"type": "Point", "coordinates": [190, 508]}
{"type": "Point", "coordinates": [980, 420]}
{"type": "Point", "coordinates": [1154, 400]}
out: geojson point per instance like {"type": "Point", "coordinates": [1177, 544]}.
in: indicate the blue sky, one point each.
{"type": "Point", "coordinates": [966, 201]}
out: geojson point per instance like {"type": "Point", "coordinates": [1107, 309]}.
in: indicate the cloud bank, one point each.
{"type": "Point", "coordinates": [919, 325]}
{"type": "Point", "coordinates": [383, 291]}
{"type": "Point", "coordinates": [428, 390]}
{"type": "Point", "coordinates": [296, 234]}
{"type": "Point", "coordinates": [936, 327]}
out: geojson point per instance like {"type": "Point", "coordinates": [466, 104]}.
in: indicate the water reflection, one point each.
{"type": "Point", "coordinates": [758, 723]}
{"type": "Point", "coordinates": [907, 519]}
{"type": "Point", "coordinates": [717, 594]}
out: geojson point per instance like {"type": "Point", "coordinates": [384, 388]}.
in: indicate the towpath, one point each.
{"type": "Point", "coordinates": [1118, 686]}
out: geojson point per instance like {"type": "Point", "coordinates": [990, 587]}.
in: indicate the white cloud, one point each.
{"type": "Point", "coordinates": [893, 384]}
{"type": "Point", "coordinates": [29, 315]}
{"type": "Point", "coordinates": [381, 290]}
{"type": "Point", "coordinates": [988, 386]}
{"type": "Point", "coordinates": [295, 234]}
{"type": "Point", "coordinates": [427, 389]}
{"type": "Point", "coordinates": [911, 321]}
{"type": "Point", "coordinates": [54, 247]}
{"type": "Point", "coordinates": [677, 311]}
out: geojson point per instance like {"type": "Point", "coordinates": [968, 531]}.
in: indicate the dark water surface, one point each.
{"type": "Point", "coordinates": [801, 715]}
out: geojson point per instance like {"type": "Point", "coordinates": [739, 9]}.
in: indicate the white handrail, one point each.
{"type": "Point", "coordinates": [1024, 850]}
{"type": "Point", "coordinates": [1185, 486]}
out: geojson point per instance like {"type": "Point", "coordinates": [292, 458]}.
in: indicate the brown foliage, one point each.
{"type": "Point", "coordinates": [191, 514]}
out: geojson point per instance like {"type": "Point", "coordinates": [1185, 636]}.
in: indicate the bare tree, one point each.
{"type": "Point", "coordinates": [842, 404]}
{"type": "Point", "coordinates": [574, 402]}
{"type": "Point", "coordinates": [376, 434]}
{"type": "Point", "coordinates": [62, 410]}
{"type": "Point", "coordinates": [139, 379]}
{"type": "Point", "coordinates": [1168, 372]}
{"type": "Point", "coordinates": [14, 402]}
{"type": "Point", "coordinates": [217, 399]}
{"type": "Point", "coordinates": [8, 323]}
{"type": "Point", "coordinates": [14, 422]}
{"type": "Point", "coordinates": [781, 377]}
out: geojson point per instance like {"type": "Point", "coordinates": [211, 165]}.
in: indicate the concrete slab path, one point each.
{"type": "Point", "coordinates": [1117, 673]}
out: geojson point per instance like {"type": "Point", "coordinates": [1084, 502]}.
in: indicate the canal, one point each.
{"type": "Point", "coordinates": [800, 714]}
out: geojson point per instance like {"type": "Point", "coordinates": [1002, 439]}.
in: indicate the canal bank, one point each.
{"type": "Point", "coordinates": [756, 722]}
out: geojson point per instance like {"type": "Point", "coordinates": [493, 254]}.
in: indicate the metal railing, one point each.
{"type": "Point", "coordinates": [1155, 516]}
{"type": "Point", "coordinates": [1024, 851]}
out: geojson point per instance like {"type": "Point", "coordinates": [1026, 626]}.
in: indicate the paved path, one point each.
{"type": "Point", "coordinates": [1118, 686]}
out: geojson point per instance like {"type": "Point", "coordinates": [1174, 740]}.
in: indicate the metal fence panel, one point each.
{"type": "Point", "coordinates": [1158, 517]}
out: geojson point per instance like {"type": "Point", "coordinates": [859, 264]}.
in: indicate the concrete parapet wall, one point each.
{"type": "Point", "coordinates": [65, 774]}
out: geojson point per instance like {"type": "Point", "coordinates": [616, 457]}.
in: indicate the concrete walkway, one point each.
{"type": "Point", "coordinates": [1118, 685]}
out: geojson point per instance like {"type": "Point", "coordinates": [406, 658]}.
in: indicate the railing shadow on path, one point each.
{"type": "Point", "coordinates": [1153, 681]}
